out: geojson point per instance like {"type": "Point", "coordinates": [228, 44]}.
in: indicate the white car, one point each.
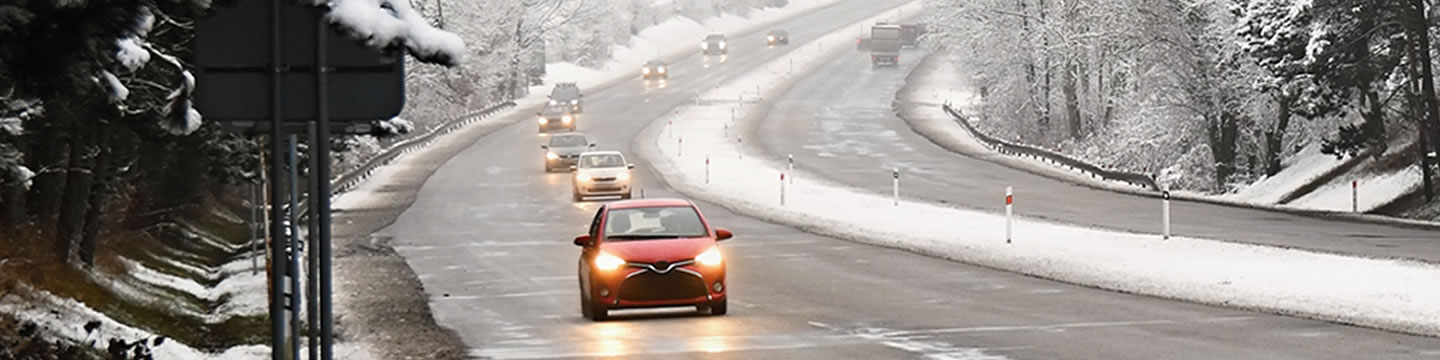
{"type": "Point", "coordinates": [601, 173]}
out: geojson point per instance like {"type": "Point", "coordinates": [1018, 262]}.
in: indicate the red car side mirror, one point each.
{"type": "Point", "coordinates": [722, 234]}
{"type": "Point", "coordinates": [582, 240]}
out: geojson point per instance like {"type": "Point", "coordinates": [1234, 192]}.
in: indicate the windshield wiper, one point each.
{"type": "Point", "coordinates": [643, 236]}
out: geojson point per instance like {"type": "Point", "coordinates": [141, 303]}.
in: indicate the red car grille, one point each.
{"type": "Point", "coordinates": [651, 286]}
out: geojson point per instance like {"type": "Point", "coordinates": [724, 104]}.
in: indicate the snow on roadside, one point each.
{"type": "Point", "coordinates": [1373, 191]}
{"type": "Point", "coordinates": [1300, 169]}
{"type": "Point", "coordinates": [65, 318]}
{"type": "Point", "coordinates": [1387, 294]}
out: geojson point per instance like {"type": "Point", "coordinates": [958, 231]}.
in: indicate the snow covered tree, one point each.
{"type": "Point", "coordinates": [1275, 34]}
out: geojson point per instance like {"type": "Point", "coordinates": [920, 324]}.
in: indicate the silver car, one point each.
{"type": "Point", "coordinates": [563, 150]}
{"type": "Point", "coordinates": [601, 173]}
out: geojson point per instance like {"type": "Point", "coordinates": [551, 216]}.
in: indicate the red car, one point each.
{"type": "Point", "coordinates": [651, 253]}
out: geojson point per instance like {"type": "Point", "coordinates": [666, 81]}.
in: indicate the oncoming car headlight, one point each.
{"type": "Point", "coordinates": [722, 44]}
{"type": "Point", "coordinates": [567, 119]}
{"type": "Point", "coordinates": [607, 262]}
{"type": "Point", "coordinates": [709, 257]}
{"type": "Point", "coordinates": [662, 69]}
{"type": "Point", "coordinates": [771, 37]}
{"type": "Point", "coordinates": [575, 102]}
{"type": "Point", "coordinates": [645, 70]}
{"type": "Point", "coordinates": [551, 156]}
{"type": "Point", "coordinates": [622, 176]}
{"type": "Point", "coordinates": [542, 120]}
{"type": "Point", "coordinates": [582, 177]}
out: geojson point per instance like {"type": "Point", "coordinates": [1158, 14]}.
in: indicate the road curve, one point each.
{"type": "Point", "coordinates": [489, 236]}
{"type": "Point", "coordinates": [845, 128]}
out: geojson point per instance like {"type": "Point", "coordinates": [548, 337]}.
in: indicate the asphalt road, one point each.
{"type": "Point", "coordinates": [844, 128]}
{"type": "Point", "coordinates": [489, 235]}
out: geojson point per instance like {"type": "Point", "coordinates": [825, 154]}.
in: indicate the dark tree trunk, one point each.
{"type": "Point", "coordinates": [1223, 135]}
{"type": "Point", "coordinates": [49, 156]}
{"type": "Point", "coordinates": [1072, 100]}
{"type": "Point", "coordinates": [1421, 31]}
{"type": "Point", "coordinates": [77, 192]}
{"type": "Point", "coordinates": [99, 194]}
{"type": "Point", "coordinates": [13, 196]}
{"type": "Point", "coordinates": [1374, 116]}
{"type": "Point", "coordinates": [1275, 138]}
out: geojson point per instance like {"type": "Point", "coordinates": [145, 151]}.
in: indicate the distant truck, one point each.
{"type": "Point", "coordinates": [910, 35]}
{"type": "Point", "coordinates": [884, 45]}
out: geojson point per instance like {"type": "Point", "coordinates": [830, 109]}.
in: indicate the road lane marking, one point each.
{"type": "Point", "coordinates": [508, 295]}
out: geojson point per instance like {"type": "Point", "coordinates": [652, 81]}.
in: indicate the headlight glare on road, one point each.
{"type": "Point", "coordinates": [541, 120]}
{"type": "Point", "coordinates": [607, 262]}
{"type": "Point", "coordinates": [551, 156]}
{"type": "Point", "coordinates": [709, 257]}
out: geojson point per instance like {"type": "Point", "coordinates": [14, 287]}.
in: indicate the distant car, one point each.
{"type": "Point", "coordinates": [777, 37]}
{"type": "Point", "coordinates": [601, 173]}
{"type": "Point", "coordinates": [714, 44]}
{"type": "Point", "coordinates": [655, 69]}
{"type": "Point", "coordinates": [564, 150]}
{"type": "Point", "coordinates": [557, 116]}
{"type": "Point", "coordinates": [568, 94]}
{"type": "Point", "coordinates": [651, 253]}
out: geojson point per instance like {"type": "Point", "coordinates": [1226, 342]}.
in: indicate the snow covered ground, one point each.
{"type": "Point", "coordinates": [947, 85]}
{"type": "Point", "coordinates": [697, 152]}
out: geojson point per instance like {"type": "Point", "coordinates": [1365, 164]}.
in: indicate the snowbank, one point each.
{"type": "Point", "coordinates": [697, 153]}
{"type": "Point", "coordinates": [1371, 191]}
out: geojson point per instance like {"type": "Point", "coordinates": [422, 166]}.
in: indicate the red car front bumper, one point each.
{"type": "Point", "coordinates": [646, 285]}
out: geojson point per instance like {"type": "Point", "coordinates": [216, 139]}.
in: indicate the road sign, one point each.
{"type": "Point", "coordinates": [233, 68]}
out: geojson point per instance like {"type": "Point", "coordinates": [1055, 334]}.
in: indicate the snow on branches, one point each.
{"type": "Point", "coordinates": [391, 23]}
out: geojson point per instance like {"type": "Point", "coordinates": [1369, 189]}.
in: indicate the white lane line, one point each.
{"type": "Point", "coordinates": [1049, 327]}
{"type": "Point", "coordinates": [507, 295]}
{"type": "Point", "coordinates": [623, 344]}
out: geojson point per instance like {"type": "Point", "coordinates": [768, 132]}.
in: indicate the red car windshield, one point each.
{"type": "Point", "coordinates": [654, 223]}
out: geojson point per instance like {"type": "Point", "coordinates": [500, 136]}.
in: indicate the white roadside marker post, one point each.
{"type": "Point", "coordinates": [896, 174]}
{"type": "Point", "coordinates": [1354, 196]}
{"type": "Point", "coordinates": [791, 169]}
{"type": "Point", "coordinates": [782, 189]}
{"type": "Point", "coordinates": [739, 148]}
{"type": "Point", "coordinates": [707, 169]}
{"type": "Point", "coordinates": [1009, 211]}
{"type": "Point", "coordinates": [1165, 212]}
{"type": "Point", "coordinates": [670, 128]}
{"type": "Point", "coordinates": [680, 147]}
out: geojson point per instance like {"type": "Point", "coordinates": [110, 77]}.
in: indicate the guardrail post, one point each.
{"type": "Point", "coordinates": [1009, 212]}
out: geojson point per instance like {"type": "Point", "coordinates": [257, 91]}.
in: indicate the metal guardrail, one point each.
{"type": "Point", "coordinates": [1009, 148]}
{"type": "Point", "coordinates": [352, 177]}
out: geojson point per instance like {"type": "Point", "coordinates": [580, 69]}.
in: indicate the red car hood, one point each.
{"type": "Point", "coordinates": [649, 251]}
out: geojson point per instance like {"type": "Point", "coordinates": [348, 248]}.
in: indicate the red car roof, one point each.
{"type": "Point", "coordinates": [644, 203]}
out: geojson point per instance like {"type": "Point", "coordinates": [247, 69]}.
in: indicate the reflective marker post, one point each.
{"type": "Point", "coordinates": [1165, 212]}
{"type": "Point", "coordinates": [791, 159]}
{"type": "Point", "coordinates": [896, 174]}
{"type": "Point", "coordinates": [782, 189]}
{"type": "Point", "coordinates": [1009, 211]}
{"type": "Point", "coordinates": [707, 169]}
{"type": "Point", "coordinates": [1354, 196]}
{"type": "Point", "coordinates": [680, 147]}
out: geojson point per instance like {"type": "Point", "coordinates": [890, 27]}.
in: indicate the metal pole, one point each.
{"type": "Point", "coordinates": [322, 194]}
{"type": "Point", "coordinates": [1354, 196]}
{"type": "Point", "coordinates": [782, 189]}
{"type": "Point", "coordinates": [1009, 211]}
{"type": "Point", "coordinates": [257, 215]}
{"type": "Point", "coordinates": [277, 170]}
{"type": "Point", "coordinates": [292, 244]}
{"type": "Point", "coordinates": [1165, 213]}
{"type": "Point", "coordinates": [312, 292]}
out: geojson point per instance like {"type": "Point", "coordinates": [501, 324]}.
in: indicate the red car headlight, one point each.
{"type": "Point", "coordinates": [607, 262]}
{"type": "Point", "coordinates": [710, 257]}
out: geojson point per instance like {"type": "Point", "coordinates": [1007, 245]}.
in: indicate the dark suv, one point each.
{"type": "Point", "coordinates": [714, 44]}
{"type": "Point", "coordinates": [567, 94]}
{"type": "Point", "coordinates": [777, 37]}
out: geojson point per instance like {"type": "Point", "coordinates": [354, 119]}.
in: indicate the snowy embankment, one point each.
{"type": "Point", "coordinates": [698, 153]}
